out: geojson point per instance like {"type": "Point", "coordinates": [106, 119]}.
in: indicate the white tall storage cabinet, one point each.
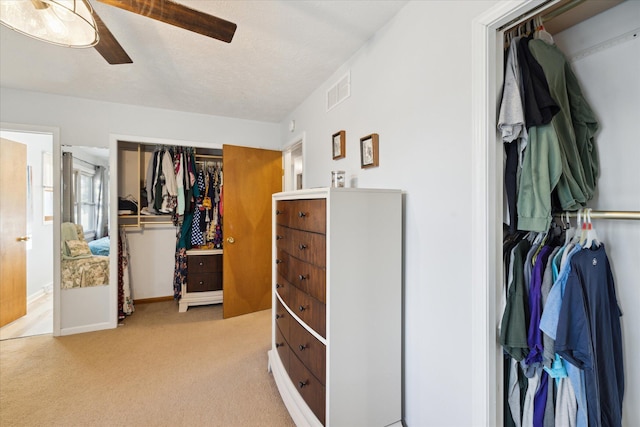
{"type": "Point", "coordinates": [337, 305]}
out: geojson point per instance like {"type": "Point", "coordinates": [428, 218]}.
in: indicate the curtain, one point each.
{"type": "Point", "coordinates": [68, 196]}
{"type": "Point", "coordinates": [101, 181]}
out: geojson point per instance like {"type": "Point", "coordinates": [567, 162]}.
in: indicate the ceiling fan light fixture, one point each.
{"type": "Point", "coordinates": [66, 23]}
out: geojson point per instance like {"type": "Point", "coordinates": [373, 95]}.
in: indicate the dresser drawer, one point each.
{"type": "Point", "coordinates": [310, 310]}
{"type": "Point", "coordinates": [306, 277]}
{"type": "Point", "coordinates": [284, 351]}
{"type": "Point", "coordinates": [302, 214]}
{"type": "Point", "coordinates": [305, 245]}
{"type": "Point", "coordinates": [204, 263]}
{"type": "Point", "coordinates": [283, 318]}
{"type": "Point", "coordinates": [203, 282]}
{"type": "Point", "coordinates": [310, 351]}
{"type": "Point", "coordinates": [285, 290]}
{"type": "Point", "coordinates": [310, 388]}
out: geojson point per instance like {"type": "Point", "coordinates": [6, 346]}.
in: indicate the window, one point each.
{"type": "Point", "coordinates": [85, 203]}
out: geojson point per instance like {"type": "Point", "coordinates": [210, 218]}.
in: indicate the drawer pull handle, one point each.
{"type": "Point", "coordinates": [278, 212]}
{"type": "Point", "coordinates": [279, 344]}
{"type": "Point", "coordinates": [302, 214]}
{"type": "Point", "coordinates": [301, 308]}
{"type": "Point", "coordinates": [201, 282]}
{"type": "Point", "coordinates": [278, 261]}
{"type": "Point", "coordinates": [303, 383]}
{"type": "Point", "coordinates": [201, 263]}
{"type": "Point", "coordinates": [302, 347]}
{"type": "Point", "coordinates": [302, 246]}
{"type": "Point", "coordinates": [279, 237]}
{"type": "Point", "coordinates": [302, 277]}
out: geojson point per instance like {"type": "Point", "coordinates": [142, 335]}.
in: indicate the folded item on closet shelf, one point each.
{"type": "Point", "coordinates": [125, 212]}
{"type": "Point", "coordinates": [128, 203]}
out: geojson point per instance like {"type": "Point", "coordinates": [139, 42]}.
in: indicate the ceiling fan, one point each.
{"type": "Point", "coordinates": [166, 11]}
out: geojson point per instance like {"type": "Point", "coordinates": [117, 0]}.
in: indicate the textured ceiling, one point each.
{"type": "Point", "coordinates": [281, 52]}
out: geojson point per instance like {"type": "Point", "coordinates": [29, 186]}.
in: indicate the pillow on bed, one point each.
{"type": "Point", "coordinates": [78, 248]}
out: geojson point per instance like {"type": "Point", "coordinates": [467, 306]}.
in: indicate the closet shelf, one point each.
{"type": "Point", "coordinates": [140, 220]}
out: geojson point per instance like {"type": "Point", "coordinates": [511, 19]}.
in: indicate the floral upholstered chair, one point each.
{"type": "Point", "coordinates": [79, 267]}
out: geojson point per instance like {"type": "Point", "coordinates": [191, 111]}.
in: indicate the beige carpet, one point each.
{"type": "Point", "coordinates": [159, 368]}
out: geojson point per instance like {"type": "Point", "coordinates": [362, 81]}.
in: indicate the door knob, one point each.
{"type": "Point", "coordinates": [231, 240]}
{"type": "Point", "coordinates": [22, 238]}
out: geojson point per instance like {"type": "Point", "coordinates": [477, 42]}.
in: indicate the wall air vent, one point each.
{"type": "Point", "coordinates": [339, 91]}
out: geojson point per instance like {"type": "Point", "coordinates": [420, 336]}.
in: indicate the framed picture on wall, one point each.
{"type": "Point", "coordinates": [369, 151]}
{"type": "Point", "coordinates": [339, 145]}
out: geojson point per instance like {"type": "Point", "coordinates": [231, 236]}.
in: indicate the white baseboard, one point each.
{"type": "Point", "coordinates": [46, 289]}
{"type": "Point", "coordinates": [85, 328]}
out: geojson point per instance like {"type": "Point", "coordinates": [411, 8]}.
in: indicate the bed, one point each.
{"type": "Point", "coordinates": [80, 268]}
{"type": "Point", "coordinates": [100, 246]}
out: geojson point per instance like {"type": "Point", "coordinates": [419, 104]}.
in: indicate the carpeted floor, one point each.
{"type": "Point", "coordinates": [159, 368]}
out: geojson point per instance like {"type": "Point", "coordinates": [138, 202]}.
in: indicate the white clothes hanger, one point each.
{"type": "Point", "coordinates": [541, 33]}
{"type": "Point", "coordinates": [569, 230]}
{"type": "Point", "coordinates": [580, 229]}
{"type": "Point", "coordinates": [592, 236]}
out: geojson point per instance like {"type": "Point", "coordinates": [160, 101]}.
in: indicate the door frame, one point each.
{"type": "Point", "coordinates": [288, 181]}
{"type": "Point", "coordinates": [487, 187]}
{"type": "Point", "coordinates": [113, 201]}
{"type": "Point", "coordinates": [57, 213]}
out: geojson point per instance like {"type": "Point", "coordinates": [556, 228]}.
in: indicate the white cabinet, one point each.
{"type": "Point", "coordinates": [337, 305]}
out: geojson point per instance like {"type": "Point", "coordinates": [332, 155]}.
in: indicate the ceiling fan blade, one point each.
{"type": "Point", "coordinates": [181, 16]}
{"type": "Point", "coordinates": [108, 46]}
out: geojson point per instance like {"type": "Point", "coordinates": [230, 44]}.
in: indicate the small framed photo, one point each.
{"type": "Point", "coordinates": [339, 145]}
{"type": "Point", "coordinates": [369, 151]}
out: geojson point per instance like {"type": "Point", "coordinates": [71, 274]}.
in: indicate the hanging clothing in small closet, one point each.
{"type": "Point", "coordinates": [554, 161]}
{"type": "Point", "coordinates": [125, 301]}
{"type": "Point", "coordinates": [561, 331]}
{"type": "Point", "coordinates": [206, 230]}
{"type": "Point", "coordinates": [161, 186]}
{"type": "Point", "coordinates": [560, 323]}
{"type": "Point", "coordinates": [197, 212]}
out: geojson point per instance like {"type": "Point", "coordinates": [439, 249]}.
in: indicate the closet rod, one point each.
{"type": "Point", "coordinates": [207, 156]}
{"type": "Point", "coordinates": [635, 215]}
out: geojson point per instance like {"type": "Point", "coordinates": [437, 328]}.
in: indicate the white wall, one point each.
{"type": "Point", "coordinates": [91, 123]}
{"type": "Point", "coordinates": [87, 122]}
{"type": "Point", "coordinates": [39, 255]}
{"type": "Point", "coordinates": [411, 84]}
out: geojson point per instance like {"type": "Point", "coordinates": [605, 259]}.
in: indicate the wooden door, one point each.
{"type": "Point", "coordinates": [13, 228]}
{"type": "Point", "coordinates": [251, 176]}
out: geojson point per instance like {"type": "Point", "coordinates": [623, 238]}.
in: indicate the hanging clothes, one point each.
{"type": "Point", "coordinates": [125, 301]}
{"type": "Point", "coordinates": [589, 334]}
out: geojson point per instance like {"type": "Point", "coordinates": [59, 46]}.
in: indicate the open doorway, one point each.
{"type": "Point", "coordinates": [293, 164]}
{"type": "Point", "coordinates": [36, 289]}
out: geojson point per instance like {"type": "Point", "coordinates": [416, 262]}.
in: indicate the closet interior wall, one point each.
{"type": "Point", "coordinates": [604, 53]}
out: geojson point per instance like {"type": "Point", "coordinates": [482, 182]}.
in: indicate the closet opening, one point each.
{"type": "Point", "coordinates": [607, 202]}
{"type": "Point", "coordinates": [208, 246]}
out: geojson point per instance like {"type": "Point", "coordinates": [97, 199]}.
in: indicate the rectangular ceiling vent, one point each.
{"type": "Point", "coordinates": [339, 91]}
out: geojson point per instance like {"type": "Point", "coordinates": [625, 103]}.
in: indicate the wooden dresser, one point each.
{"type": "Point", "coordinates": [204, 278]}
{"type": "Point", "coordinates": [337, 305]}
